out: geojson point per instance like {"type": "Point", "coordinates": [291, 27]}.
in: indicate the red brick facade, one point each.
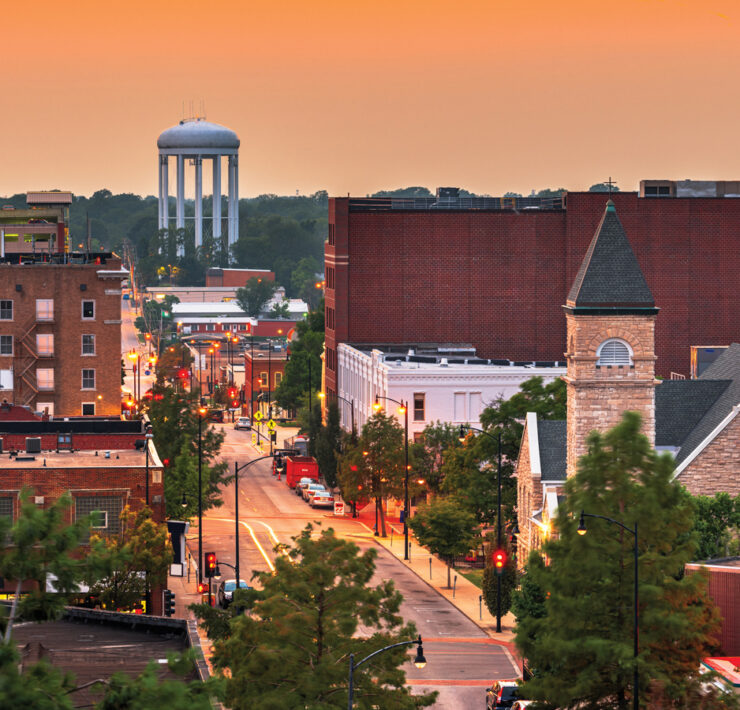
{"type": "Point", "coordinates": [497, 279]}
{"type": "Point", "coordinates": [236, 277]}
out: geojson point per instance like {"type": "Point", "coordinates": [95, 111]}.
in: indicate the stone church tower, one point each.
{"type": "Point", "coordinates": [610, 315]}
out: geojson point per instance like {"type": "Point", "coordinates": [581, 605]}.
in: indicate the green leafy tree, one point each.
{"type": "Point", "coordinates": [717, 522]}
{"type": "Point", "coordinates": [509, 580]}
{"type": "Point", "coordinates": [280, 310]}
{"type": "Point", "coordinates": [172, 359]}
{"type": "Point", "coordinates": [175, 425]}
{"type": "Point", "coordinates": [141, 546]}
{"type": "Point", "coordinates": [528, 599]}
{"type": "Point", "coordinates": [603, 187]}
{"type": "Point", "coordinates": [582, 648]}
{"type": "Point", "coordinates": [307, 347]}
{"type": "Point", "coordinates": [291, 650]}
{"type": "Point", "coordinates": [374, 466]}
{"type": "Point", "coordinates": [303, 280]}
{"type": "Point", "coordinates": [329, 444]}
{"type": "Point", "coordinates": [41, 544]}
{"type": "Point", "coordinates": [444, 528]}
{"type": "Point", "coordinates": [253, 296]}
{"type": "Point", "coordinates": [429, 451]}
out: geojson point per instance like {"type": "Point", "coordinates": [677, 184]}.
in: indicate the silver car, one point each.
{"type": "Point", "coordinates": [311, 488]}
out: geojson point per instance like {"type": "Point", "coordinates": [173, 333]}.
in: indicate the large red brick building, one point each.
{"type": "Point", "coordinates": [495, 272]}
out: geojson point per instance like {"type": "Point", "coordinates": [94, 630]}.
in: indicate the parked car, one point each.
{"type": "Point", "coordinates": [502, 694]}
{"type": "Point", "coordinates": [521, 704]}
{"type": "Point", "coordinates": [321, 499]}
{"type": "Point", "coordinates": [216, 415]}
{"type": "Point", "coordinates": [303, 482]}
{"type": "Point", "coordinates": [311, 488]}
{"type": "Point", "coordinates": [242, 423]}
{"type": "Point", "coordinates": [225, 592]}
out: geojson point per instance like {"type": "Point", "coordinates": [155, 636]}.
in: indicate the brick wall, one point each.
{"type": "Point", "coordinates": [83, 442]}
{"type": "Point", "coordinates": [598, 396]}
{"type": "Point", "coordinates": [63, 283]}
{"type": "Point", "coordinates": [235, 277]}
{"type": "Point", "coordinates": [498, 279]}
{"type": "Point", "coordinates": [716, 468]}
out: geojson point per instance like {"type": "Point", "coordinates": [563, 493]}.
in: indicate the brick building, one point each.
{"type": "Point", "coordinates": [264, 369]}
{"type": "Point", "coordinates": [610, 316]}
{"type": "Point", "coordinates": [236, 277]}
{"type": "Point", "coordinates": [60, 333]}
{"type": "Point", "coordinates": [494, 272]}
{"type": "Point", "coordinates": [41, 228]}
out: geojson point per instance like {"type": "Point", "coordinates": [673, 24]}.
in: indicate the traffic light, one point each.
{"type": "Point", "coordinates": [499, 561]}
{"type": "Point", "coordinates": [182, 373]}
{"type": "Point", "coordinates": [232, 392]}
{"type": "Point", "coordinates": [273, 437]}
{"type": "Point", "coordinates": [169, 603]}
{"type": "Point", "coordinates": [202, 588]}
{"type": "Point", "coordinates": [210, 567]}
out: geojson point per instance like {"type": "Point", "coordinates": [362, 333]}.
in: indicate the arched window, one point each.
{"type": "Point", "coordinates": [614, 352]}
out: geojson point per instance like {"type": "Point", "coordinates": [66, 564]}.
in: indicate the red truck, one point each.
{"type": "Point", "coordinates": [297, 467]}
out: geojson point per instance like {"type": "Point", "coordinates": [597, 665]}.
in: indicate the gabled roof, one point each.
{"type": "Point", "coordinates": [609, 277]}
{"type": "Point", "coordinates": [552, 436]}
{"type": "Point", "coordinates": [680, 405]}
{"type": "Point", "coordinates": [726, 367]}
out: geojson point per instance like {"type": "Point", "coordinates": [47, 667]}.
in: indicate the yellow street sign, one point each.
{"type": "Point", "coordinates": [258, 416]}
{"type": "Point", "coordinates": [271, 424]}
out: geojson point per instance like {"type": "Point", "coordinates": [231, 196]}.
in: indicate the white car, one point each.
{"type": "Point", "coordinates": [310, 489]}
{"type": "Point", "coordinates": [321, 499]}
{"type": "Point", "coordinates": [242, 423]}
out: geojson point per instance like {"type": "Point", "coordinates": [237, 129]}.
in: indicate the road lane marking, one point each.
{"type": "Point", "coordinates": [254, 538]}
{"type": "Point", "coordinates": [271, 531]}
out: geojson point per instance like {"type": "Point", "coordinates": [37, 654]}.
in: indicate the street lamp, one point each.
{"type": "Point", "coordinates": [419, 662]}
{"type": "Point", "coordinates": [237, 469]}
{"type": "Point", "coordinates": [403, 409]}
{"type": "Point", "coordinates": [322, 395]}
{"type": "Point", "coordinates": [202, 411]}
{"type": "Point", "coordinates": [210, 386]}
{"type": "Point", "coordinates": [148, 436]}
{"type": "Point", "coordinates": [635, 629]}
{"type": "Point", "coordinates": [497, 438]}
{"type": "Point", "coordinates": [134, 356]}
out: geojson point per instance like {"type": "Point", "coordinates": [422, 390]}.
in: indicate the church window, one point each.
{"type": "Point", "coordinates": [614, 353]}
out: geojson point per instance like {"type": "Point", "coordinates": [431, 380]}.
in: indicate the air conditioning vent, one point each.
{"type": "Point", "coordinates": [33, 445]}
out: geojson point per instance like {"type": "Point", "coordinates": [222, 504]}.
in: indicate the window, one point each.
{"type": "Point", "coordinates": [614, 352]}
{"type": "Point", "coordinates": [278, 379]}
{"type": "Point", "coordinates": [459, 406]}
{"type": "Point", "coordinates": [6, 507]}
{"type": "Point", "coordinates": [88, 409]}
{"type": "Point", "coordinates": [264, 381]}
{"type": "Point", "coordinates": [419, 407]}
{"type": "Point", "coordinates": [44, 344]}
{"type": "Point", "coordinates": [88, 379]}
{"type": "Point", "coordinates": [6, 344]}
{"type": "Point", "coordinates": [111, 506]}
{"type": "Point", "coordinates": [44, 309]}
{"type": "Point", "coordinates": [210, 327]}
{"type": "Point", "coordinates": [6, 379]}
{"type": "Point", "coordinates": [88, 345]}
{"type": "Point", "coordinates": [332, 235]}
{"type": "Point", "coordinates": [88, 310]}
{"type": "Point", "coordinates": [45, 378]}
{"type": "Point", "coordinates": [6, 310]}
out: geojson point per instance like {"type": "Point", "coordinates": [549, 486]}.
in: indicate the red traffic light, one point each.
{"type": "Point", "coordinates": [182, 374]}
{"type": "Point", "coordinates": [235, 403]}
{"type": "Point", "coordinates": [210, 566]}
{"type": "Point", "coordinates": [202, 588]}
{"type": "Point", "coordinates": [499, 561]}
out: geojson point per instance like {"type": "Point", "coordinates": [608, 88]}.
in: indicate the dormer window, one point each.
{"type": "Point", "coordinates": [614, 353]}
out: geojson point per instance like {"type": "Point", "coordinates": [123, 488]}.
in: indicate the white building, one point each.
{"type": "Point", "coordinates": [451, 385]}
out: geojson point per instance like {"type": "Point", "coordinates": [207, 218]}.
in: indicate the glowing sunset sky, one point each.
{"type": "Point", "coordinates": [354, 96]}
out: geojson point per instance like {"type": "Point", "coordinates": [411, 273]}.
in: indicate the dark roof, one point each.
{"type": "Point", "coordinates": [552, 439]}
{"type": "Point", "coordinates": [725, 367]}
{"type": "Point", "coordinates": [680, 405]}
{"type": "Point", "coordinates": [609, 276]}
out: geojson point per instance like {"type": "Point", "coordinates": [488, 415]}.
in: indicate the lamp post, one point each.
{"type": "Point", "coordinates": [403, 408]}
{"type": "Point", "coordinates": [210, 381]}
{"type": "Point", "coordinates": [234, 340]}
{"type": "Point", "coordinates": [351, 403]}
{"type": "Point", "coordinates": [497, 438]}
{"type": "Point", "coordinates": [419, 662]}
{"type": "Point", "coordinates": [238, 469]}
{"type": "Point", "coordinates": [147, 438]}
{"type": "Point", "coordinates": [135, 357]}
{"type": "Point", "coordinates": [582, 531]}
{"type": "Point", "coordinates": [201, 413]}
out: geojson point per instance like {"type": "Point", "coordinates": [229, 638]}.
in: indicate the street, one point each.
{"type": "Point", "coordinates": [462, 659]}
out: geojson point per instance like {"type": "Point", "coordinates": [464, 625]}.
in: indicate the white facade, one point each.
{"type": "Point", "coordinates": [455, 393]}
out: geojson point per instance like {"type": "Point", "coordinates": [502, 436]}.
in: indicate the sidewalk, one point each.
{"type": "Point", "coordinates": [433, 571]}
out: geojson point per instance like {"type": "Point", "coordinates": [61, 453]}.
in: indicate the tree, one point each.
{"type": "Point", "coordinates": [445, 528]}
{"type": "Point", "coordinates": [328, 445]}
{"type": "Point", "coordinates": [374, 465]}
{"type": "Point", "coordinates": [141, 546]}
{"type": "Point", "coordinates": [715, 519]}
{"type": "Point", "coordinates": [175, 427]}
{"type": "Point", "coordinates": [303, 280]}
{"type": "Point", "coordinates": [280, 310]}
{"type": "Point", "coordinates": [603, 187]}
{"type": "Point", "coordinates": [582, 648]}
{"type": "Point", "coordinates": [40, 545]}
{"type": "Point", "coordinates": [253, 296]}
{"type": "Point", "coordinates": [292, 649]}
{"type": "Point", "coordinates": [428, 453]}
{"type": "Point", "coordinates": [528, 600]}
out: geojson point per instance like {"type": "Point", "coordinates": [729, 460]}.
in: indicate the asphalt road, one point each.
{"type": "Point", "coordinates": [461, 659]}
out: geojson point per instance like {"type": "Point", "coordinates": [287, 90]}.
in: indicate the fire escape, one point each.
{"type": "Point", "coordinates": [26, 386]}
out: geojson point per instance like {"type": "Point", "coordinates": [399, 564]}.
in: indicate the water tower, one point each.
{"type": "Point", "coordinates": [196, 140]}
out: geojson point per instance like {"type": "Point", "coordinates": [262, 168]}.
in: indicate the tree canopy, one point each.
{"type": "Point", "coordinates": [291, 650]}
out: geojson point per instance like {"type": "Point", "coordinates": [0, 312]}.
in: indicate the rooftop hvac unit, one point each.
{"type": "Point", "coordinates": [33, 444]}
{"type": "Point", "coordinates": [1, 446]}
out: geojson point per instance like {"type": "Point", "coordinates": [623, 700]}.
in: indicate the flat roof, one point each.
{"type": "Point", "coordinates": [119, 458]}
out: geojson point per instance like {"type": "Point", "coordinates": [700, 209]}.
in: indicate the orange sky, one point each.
{"type": "Point", "coordinates": [354, 96]}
